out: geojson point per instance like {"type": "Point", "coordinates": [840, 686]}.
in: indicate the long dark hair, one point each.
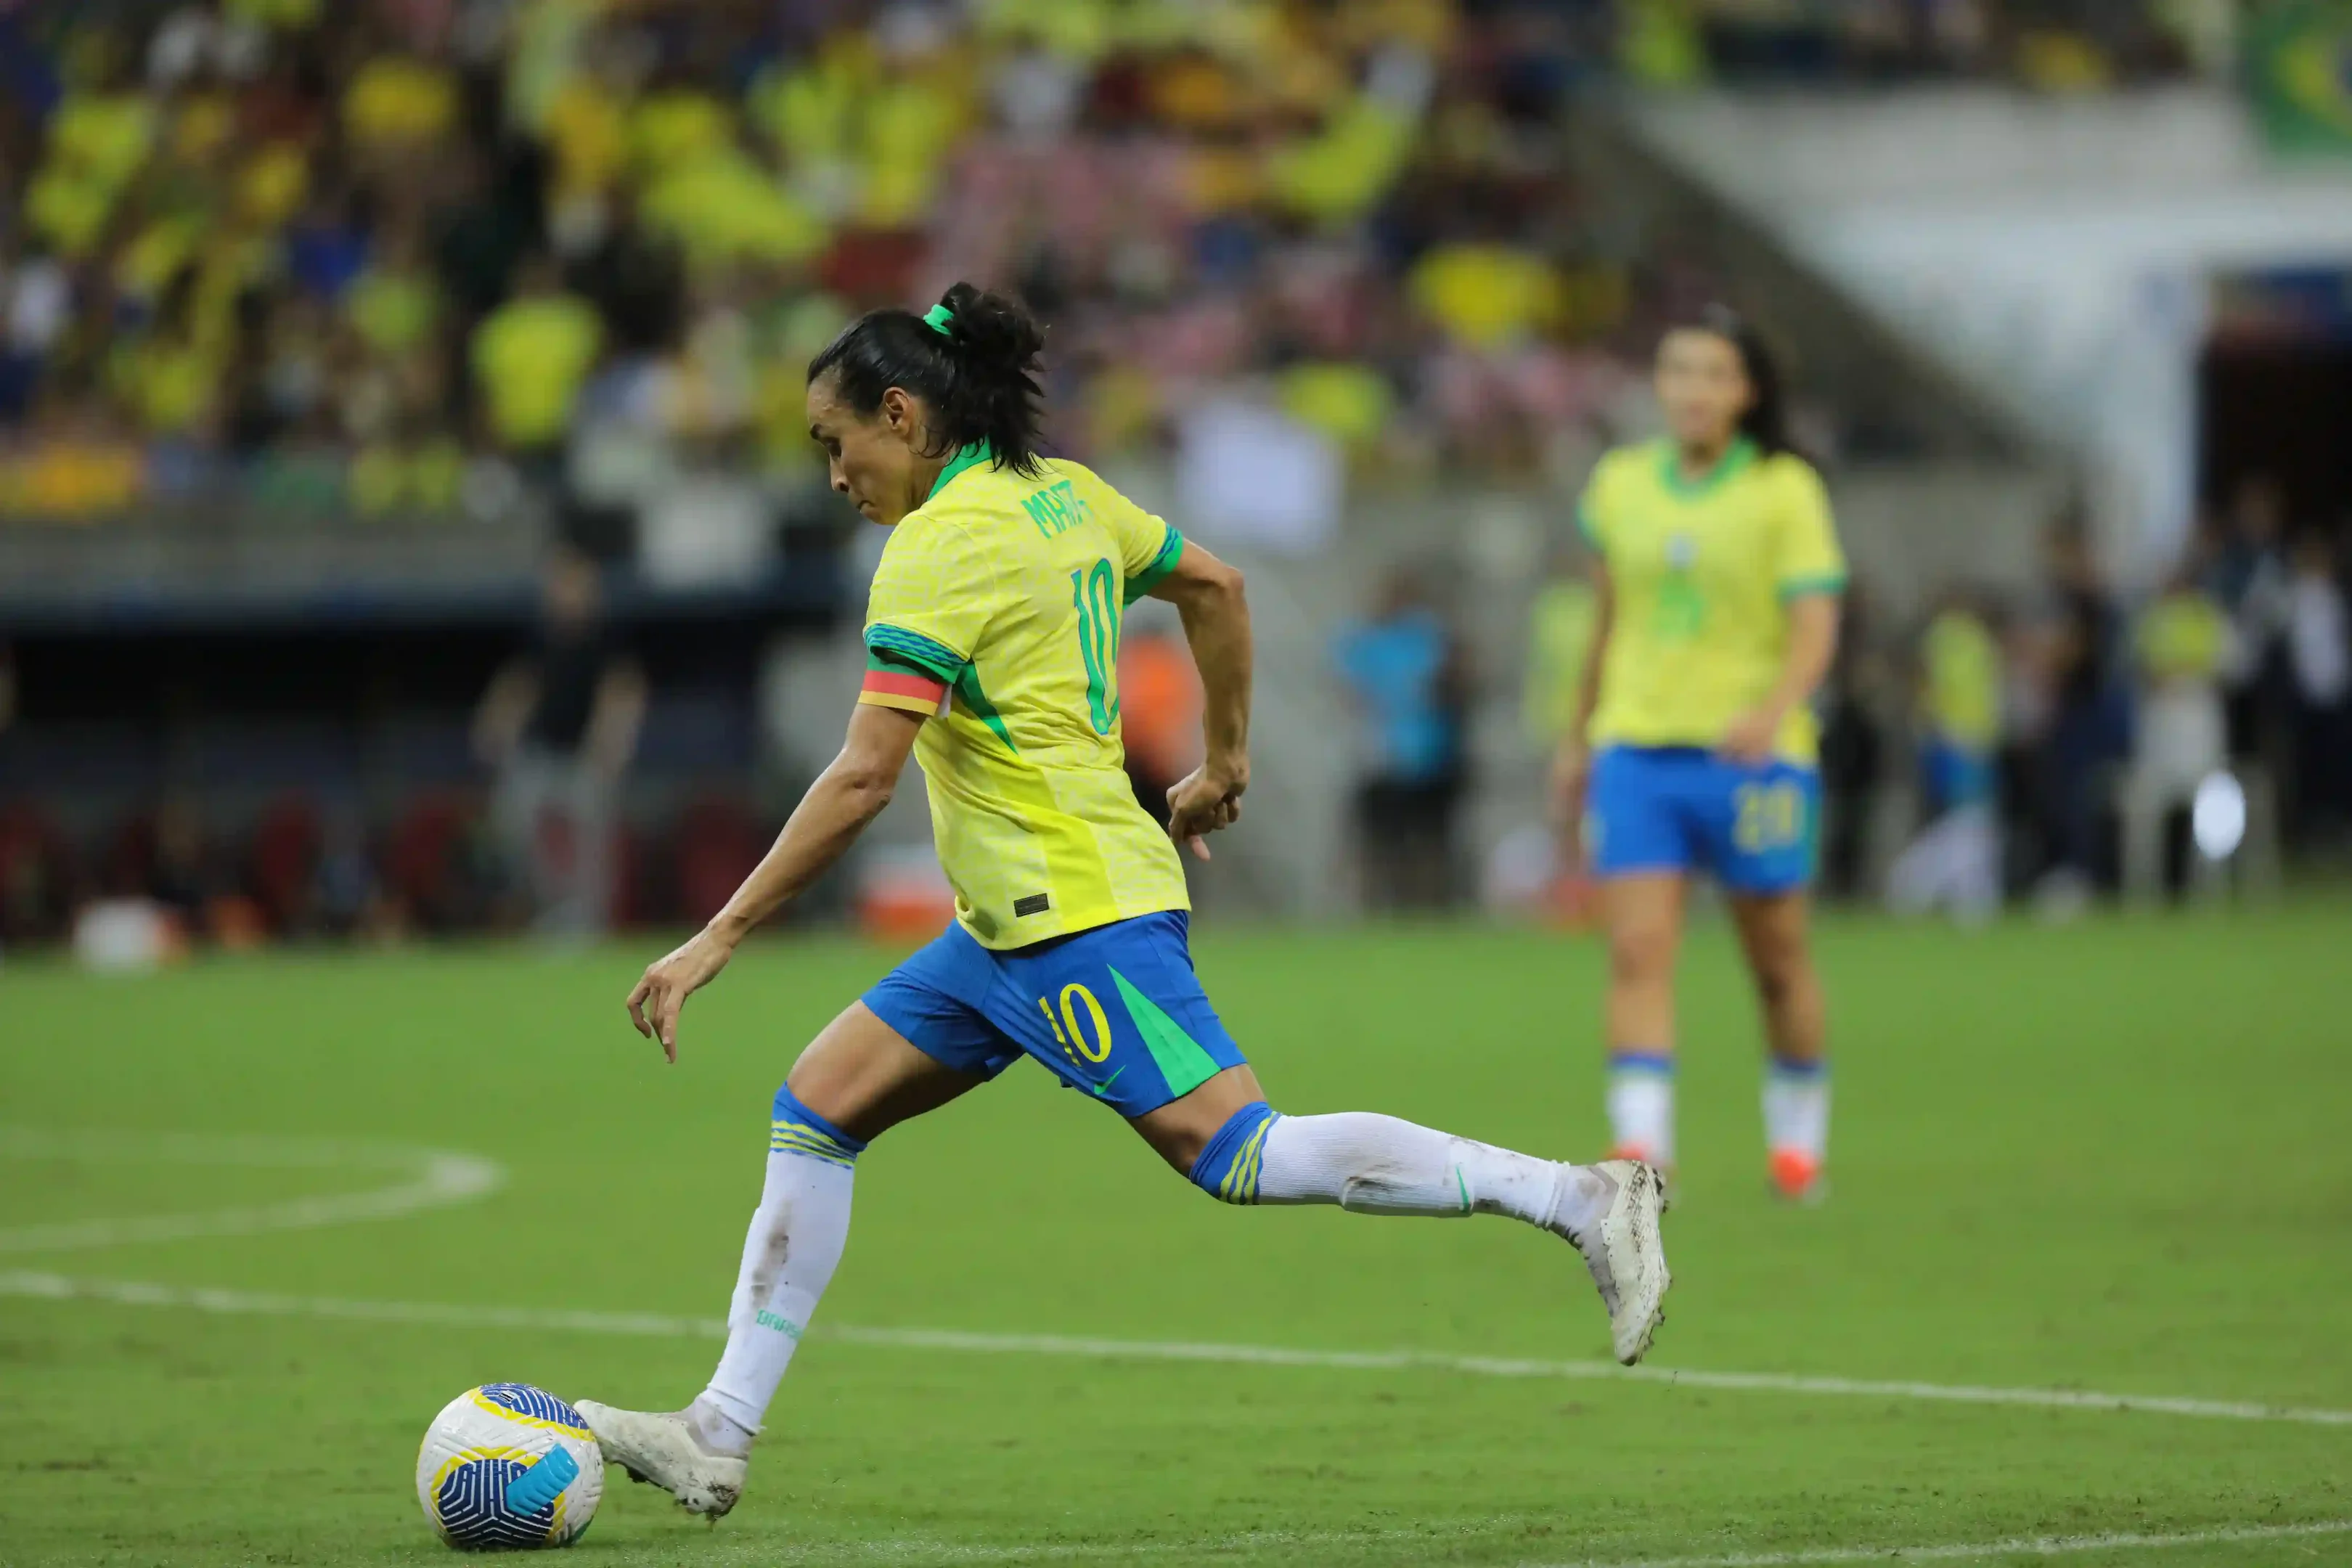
{"type": "Point", "coordinates": [1766, 422]}
{"type": "Point", "coordinates": [978, 378]}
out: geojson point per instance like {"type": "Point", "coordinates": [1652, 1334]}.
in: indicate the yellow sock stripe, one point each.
{"type": "Point", "coordinates": [800, 1139]}
{"type": "Point", "coordinates": [816, 1146]}
{"type": "Point", "coordinates": [1254, 1156]}
{"type": "Point", "coordinates": [1240, 1182]}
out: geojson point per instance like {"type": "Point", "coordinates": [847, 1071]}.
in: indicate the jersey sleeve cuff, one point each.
{"type": "Point", "coordinates": [1170, 549]}
{"type": "Point", "coordinates": [1820, 583]}
{"type": "Point", "coordinates": [897, 645]}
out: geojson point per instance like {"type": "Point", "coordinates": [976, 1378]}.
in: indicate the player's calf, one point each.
{"type": "Point", "coordinates": [1380, 1164]}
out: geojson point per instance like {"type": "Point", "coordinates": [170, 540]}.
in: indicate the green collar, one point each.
{"type": "Point", "coordinates": [1735, 456]}
{"type": "Point", "coordinates": [972, 457]}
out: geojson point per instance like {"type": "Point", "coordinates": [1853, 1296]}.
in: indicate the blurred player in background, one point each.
{"type": "Point", "coordinates": [1695, 749]}
{"type": "Point", "coordinates": [992, 638]}
{"type": "Point", "coordinates": [1954, 862]}
{"type": "Point", "coordinates": [2181, 653]}
{"type": "Point", "coordinates": [560, 724]}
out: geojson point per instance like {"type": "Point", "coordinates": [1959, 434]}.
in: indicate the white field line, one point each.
{"type": "Point", "coordinates": [58, 1287]}
{"type": "Point", "coordinates": [1450, 1537]}
{"type": "Point", "coordinates": [1968, 1551]}
{"type": "Point", "coordinates": [426, 1179]}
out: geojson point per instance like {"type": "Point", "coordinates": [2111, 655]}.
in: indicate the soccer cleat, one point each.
{"type": "Point", "coordinates": [1797, 1176]}
{"type": "Point", "coordinates": [1627, 1258]}
{"type": "Point", "coordinates": [661, 1450]}
{"type": "Point", "coordinates": [1668, 1181]}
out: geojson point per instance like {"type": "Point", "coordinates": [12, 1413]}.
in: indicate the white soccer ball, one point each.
{"type": "Point", "coordinates": [506, 1464]}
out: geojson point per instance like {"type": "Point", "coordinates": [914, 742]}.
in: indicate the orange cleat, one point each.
{"type": "Point", "coordinates": [1797, 1176]}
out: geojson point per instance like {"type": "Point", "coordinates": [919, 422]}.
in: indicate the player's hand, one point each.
{"type": "Point", "coordinates": [660, 994]}
{"type": "Point", "coordinates": [1750, 737]}
{"type": "Point", "coordinates": [1204, 800]}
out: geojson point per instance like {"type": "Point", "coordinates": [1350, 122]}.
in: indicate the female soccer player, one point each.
{"type": "Point", "coordinates": [993, 640]}
{"type": "Point", "coordinates": [1694, 746]}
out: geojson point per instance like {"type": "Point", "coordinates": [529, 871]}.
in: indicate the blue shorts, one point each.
{"type": "Point", "coordinates": [1752, 827]}
{"type": "Point", "coordinates": [1116, 1011]}
{"type": "Point", "coordinates": [1955, 776]}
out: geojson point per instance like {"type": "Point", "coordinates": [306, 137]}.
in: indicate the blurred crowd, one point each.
{"type": "Point", "coordinates": [396, 255]}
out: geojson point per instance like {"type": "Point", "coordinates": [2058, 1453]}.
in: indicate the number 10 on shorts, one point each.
{"type": "Point", "coordinates": [1767, 817]}
{"type": "Point", "coordinates": [1077, 1040]}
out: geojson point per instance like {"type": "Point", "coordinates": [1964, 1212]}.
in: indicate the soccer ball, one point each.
{"type": "Point", "coordinates": [506, 1464]}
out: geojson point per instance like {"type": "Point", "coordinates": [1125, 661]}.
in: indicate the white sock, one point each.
{"type": "Point", "coordinates": [1380, 1164]}
{"type": "Point", "coordinates": [1796, 1108]}
{"type": "Point", "coordinates": [789, 1256]}
{"type": "Point", "coordinates": [1641, 1104]}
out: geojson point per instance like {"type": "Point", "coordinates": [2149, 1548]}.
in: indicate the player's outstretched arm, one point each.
{"type": "Point", "coordinates": [1208, 595]}
{"type": "Point", "coordinates": [847, 796]}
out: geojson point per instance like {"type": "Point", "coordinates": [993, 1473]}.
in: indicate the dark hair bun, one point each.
{"type": "Point", "coordinates": [994, 330]}
{"type": "Point", "coordinates": [977, 373]}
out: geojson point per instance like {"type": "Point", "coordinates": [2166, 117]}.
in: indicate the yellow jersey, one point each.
{"type": "Point", "coordinates": [996, 610]}
{"type": "Point", "coordinates": [2183, 638]}
{"type": "Point", "coordinates": [1702, 572]}
{"type": "Point", "coordinates": [1963, 685]}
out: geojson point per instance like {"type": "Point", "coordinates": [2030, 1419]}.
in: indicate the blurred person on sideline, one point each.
{"type": "Point", "coordinates": [1852, 751]}
{"type": "Point", "coordinates": [2181, 651]}
{"type": "Point", "coordinates": [2248, 577]}
{"type": "Point", "coordinates": [1406, 667]}
{"type": "Point", "coordinates": [2089, 724]}
{"type": "Point", "coordinates": [1695, 748]}
{"type": "Point", "coordinates": [560, 725]}
{"type": "Point", "coordinates": [1159, 714]}
{"type": "Point", "coordinates": [2319, 657]}
{"type": "Point", "coordinates": [1954, 862]}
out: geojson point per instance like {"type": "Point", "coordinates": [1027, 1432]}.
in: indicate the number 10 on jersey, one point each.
{"type": "Point", "coordinates": [1095, 593]}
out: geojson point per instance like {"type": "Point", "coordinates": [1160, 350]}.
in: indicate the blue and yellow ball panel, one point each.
{"type": "Point", "coordinates": [508, 1466]}
{"type": "Point", "coordinates": [477, 1500]}
{"type": "Point", "coordinates": [520, 1401]}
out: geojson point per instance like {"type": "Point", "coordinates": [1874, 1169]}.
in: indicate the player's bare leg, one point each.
{"type": "Point", "coordinates": [1642, 914]}
{"type": "Point", "coordinates": [1773, 932]}
{"type": "Point", "coordinates": [857, 1080]}
{"type": "Point", "coordinates": [1226, 1139]}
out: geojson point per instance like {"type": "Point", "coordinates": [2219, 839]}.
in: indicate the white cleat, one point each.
{"type": "Point", "coordinates": [1627, 1256]}
{"type": "Point", "coordinates": [662, 1450]}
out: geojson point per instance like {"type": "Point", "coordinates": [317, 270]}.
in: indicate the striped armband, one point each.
{"type": "Point", "coordinates": [907, 670]}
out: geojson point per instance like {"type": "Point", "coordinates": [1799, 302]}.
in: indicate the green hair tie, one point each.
{"type": "Point", "coordinates": [937, 318]}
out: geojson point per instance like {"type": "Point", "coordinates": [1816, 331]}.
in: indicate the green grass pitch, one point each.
{"type": "Point", "coordinates": [2117, 1157]}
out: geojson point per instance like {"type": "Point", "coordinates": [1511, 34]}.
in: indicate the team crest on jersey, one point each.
{"type": "Point", "coordinates": [1682, 550]}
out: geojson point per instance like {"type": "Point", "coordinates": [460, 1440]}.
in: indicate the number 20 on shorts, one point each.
{"type": "Point", "coordinates": [1079, 1040]}
{"type": "Point", "coordinates": [1767, 817]}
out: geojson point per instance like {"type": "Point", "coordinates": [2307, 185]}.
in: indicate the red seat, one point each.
{"type": "Point", "coordinates": [718, 845]}
{"type": "Point", "coordinates": [284, 860]}
{"type": "Point", "coordinates": [422, 859]}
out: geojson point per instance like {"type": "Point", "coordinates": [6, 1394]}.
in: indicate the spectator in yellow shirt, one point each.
{"type": "Point", "coordinates": [530, 357]}
{"type": "Point", "coordinates": [2181, 649]}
